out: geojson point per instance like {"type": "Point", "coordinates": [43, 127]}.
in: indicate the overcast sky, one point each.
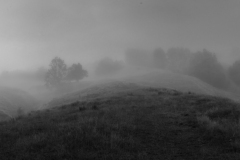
{"type": "Point", "coordinates": [32, 32]}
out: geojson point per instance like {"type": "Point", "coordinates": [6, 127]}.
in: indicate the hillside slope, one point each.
{"type": "Point", "coordinates": [12, 99]}
{"type": "Point", "coordinates": [126, 121]}
{"type": "Point", "coordinates": [97, 90]}
{"type": "Point", "coordinates": [179, 82]}
{"type": "Point", "coordinates": [157, 78]}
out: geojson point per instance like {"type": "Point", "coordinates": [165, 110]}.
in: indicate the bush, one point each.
{"type": "Point", "coordinates": [76, 72]}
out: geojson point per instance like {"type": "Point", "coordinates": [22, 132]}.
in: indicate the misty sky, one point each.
{"type": "Point", "coordinates": [32, 32]}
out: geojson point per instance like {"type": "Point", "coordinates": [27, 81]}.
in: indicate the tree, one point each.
{"type": "Point", "coordinates": [159, 58]}
{"type": "Point", "coordinates": [76, 72]}
{"type": "Point", "coordinates": [205, 66]}
{"type": "Point", "coordinates": [108, 66]}
{"type": "Point", "coordinates": [234, 72]}
{"type": "Point", "coordinates": [56, 73]}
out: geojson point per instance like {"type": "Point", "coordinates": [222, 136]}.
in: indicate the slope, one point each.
{"type": "Point", "coordinates": [147, 78]}
{"type": "Point", "coordinates": [126, 121]}
{"type": "Point", "coordinates": [184, 83]}
{"type": "Point", "coordinates": [12, 99]}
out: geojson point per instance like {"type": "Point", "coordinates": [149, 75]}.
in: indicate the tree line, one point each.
{"type": "Point", "coordinates": [203, 64]}
{"type": "Point", "coordinates": [59, 72]}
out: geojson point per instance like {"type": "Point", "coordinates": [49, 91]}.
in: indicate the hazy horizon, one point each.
{"type": "Point", "coordinates": [33, 32]}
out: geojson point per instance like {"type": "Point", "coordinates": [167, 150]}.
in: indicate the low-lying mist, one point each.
{"type": "Point", "coordinates": [58, 79]}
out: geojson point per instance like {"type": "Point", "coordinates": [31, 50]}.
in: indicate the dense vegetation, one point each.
{"type": "Point", "coordinates": [203, 65]}
{"type": "Point", "coordinates": [59, 72]}
{"type": "Point", "coordinates": [137, 123]}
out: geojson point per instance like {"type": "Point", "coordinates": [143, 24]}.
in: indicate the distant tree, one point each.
{"type": "Point", "coordinates": [178, 59]}
{"type": "Point", "coordinates": [205, 66]}
{"type": "Point", "coordinates": [76, 72]}
{"type": "Point", "coordinates": [234, 72]}
{"type": "Point", "coordinates": [108, 66]}
{"type": "Point", "coordinates": [56, 73]}
{"type": "Point", "coordinates": [159, 58]}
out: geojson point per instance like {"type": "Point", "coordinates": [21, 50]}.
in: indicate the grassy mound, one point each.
{"type": "Point", "coordinates": [154, 79]}
{"type": "Point", "coordinates": [127, 123]}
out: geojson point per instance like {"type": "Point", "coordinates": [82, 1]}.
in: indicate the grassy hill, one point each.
{"type": "Point", "coordinates": [155, 78]}
{"type": "Point", "coordinates": [121, 120]}
{"type": "Point", "coordinates": [184, 83]}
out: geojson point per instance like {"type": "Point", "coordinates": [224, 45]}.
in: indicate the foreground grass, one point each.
{"type": "Point", "coordinates": [144, 123]}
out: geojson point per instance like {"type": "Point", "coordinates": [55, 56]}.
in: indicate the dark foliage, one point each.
{"type": "Point", "coordinates": [76, 72]}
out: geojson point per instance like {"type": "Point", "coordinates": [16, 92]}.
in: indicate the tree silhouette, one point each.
{"type": "Point", "coordinates": [76, 72]}
{"type": "Point", "coordinates": [56, 73]}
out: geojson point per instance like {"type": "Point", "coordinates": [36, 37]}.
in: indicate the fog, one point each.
{"type": "Point", "coordinates": [33, 32]}
{"type": "Point", "coordinates": [112, 37]}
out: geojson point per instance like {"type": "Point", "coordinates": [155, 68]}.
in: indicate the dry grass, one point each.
{"type": "Point", "coordinates": [143, 123]}
{"type": "Point", "coordinates": [222, 124]}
